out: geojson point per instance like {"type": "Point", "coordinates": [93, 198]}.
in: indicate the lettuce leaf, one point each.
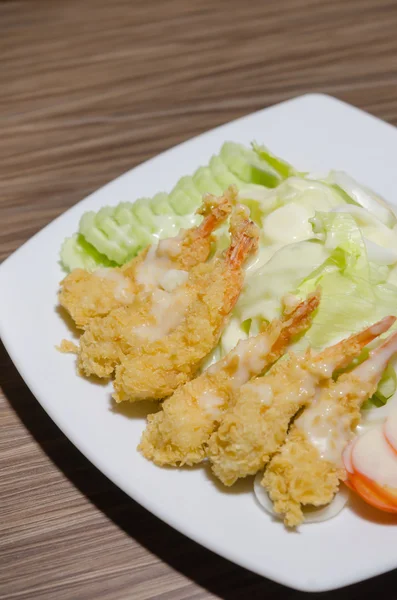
{"type": "Point", "coordinates": [355, 292]}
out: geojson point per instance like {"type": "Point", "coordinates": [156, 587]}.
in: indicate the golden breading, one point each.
{"type": "Point", "coordinates": [90, 295]}
{"type": "Point", "coordinates": [156, 369]}
{"type": "Point", "coordinates": [179, 433]}
{"type": "Point", "coordinates": [256, 425]}
{"type": "Point", "coordinates": [299, 474]}
{"type": "Point", "coordinates": [87, 296]}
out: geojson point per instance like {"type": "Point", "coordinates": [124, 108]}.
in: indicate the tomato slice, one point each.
{"type": "Point", "coordinates": [388, 493]}
{"type": "Point", "coordinates": [372, 493]}
{"type": "Point", "coordinates": [349, 484]}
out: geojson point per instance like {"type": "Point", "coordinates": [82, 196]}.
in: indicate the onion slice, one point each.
{"type": "Point", "coordinates": [312, 514]}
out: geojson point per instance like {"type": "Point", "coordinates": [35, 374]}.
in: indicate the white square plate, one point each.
{"type": "Point", "coordinates": [315, 133]}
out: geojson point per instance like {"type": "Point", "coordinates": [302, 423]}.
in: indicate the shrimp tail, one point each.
{"type": "Point", "coordinates": [340, 355]}
{"type": "Point", "coordinates": [244, 237]}
{"type": "Point", "coordinates": [377, 361]}
{"type": "Point", "coordinates": [299, 320]}
{"type": "Point", "coordinates": [193, 246]}
{"type": "Point", "coordinates": [215, 211]}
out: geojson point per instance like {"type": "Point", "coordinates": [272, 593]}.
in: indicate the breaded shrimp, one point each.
{"type": "Point", "coordinates": [106, 341]}
{"type": "Point", "coordinates": [130, 330]}
{"type": "Point", "coordinates": [309, 468]}
{"type": "Point", "coordinates": [256, 425]}
{"type": "Point", "coordinates": [178, 434]}
{"type": "Point", "coordinates": [88, 295]}
{"type": "Point", "coordinates": [155, 370]}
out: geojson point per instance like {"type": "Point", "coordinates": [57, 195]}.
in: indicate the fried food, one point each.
{"type": "Point", "coordinates": [156, 369]}
{"type": "Point", "coordinates": [256, 425]}
{"type": "Point", "coordinates": [164, 296]}
{"type": "Point", "coordinates": [87, 296]}
{"type": "Point", "coordinates": [308, 468]}
{"type": "Point", "coordinates": [178, 434]}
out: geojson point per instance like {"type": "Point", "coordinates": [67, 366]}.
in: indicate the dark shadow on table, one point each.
{"type": "Point", "coordinates": [211, 572]}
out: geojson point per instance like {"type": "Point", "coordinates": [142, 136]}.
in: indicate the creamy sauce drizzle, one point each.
{"type": "Point", "coordinates": [157, 275]}
{"type": "Point", "coordinates": [172, 279]}
{"type": "Point", "coordinates": [211, 404]}
{"type": "Point", "coordinates": [152, 269]}
{"type": "Point", "coordinates": [327, 425]}
{"type": "Point", "coordinates": [168, 311]}
{"type": "Point", "coordinates": [171, 247]}
{"type": "Point", "coordinates": [327, 429]}
{"type": "Point", "coordinates": [250, 355]}
{"type": "Point", "coordinates": [122, 290]}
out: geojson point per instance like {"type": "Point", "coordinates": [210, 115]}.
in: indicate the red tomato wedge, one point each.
{"type": "Point", "coordinates": [364, 488]}
{"type": "Point", "coordinates": [365, 459]}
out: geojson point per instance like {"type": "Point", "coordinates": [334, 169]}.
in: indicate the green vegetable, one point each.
{"type": "Point", "coordinates": [333, 233]}
{"type": "Point", "coordinates": [386, 388]}
{"type": "Point", "coordinates": [248, 166]}
{"type": "Point", "coordinates": [362, 196]}
{"type": "Point", "coordinates": [223, 176]}
{"type": "Point", "coordinates": [350, 299]}
{"type": "Point", "coordinates": [76, 252]}
{"type": "Point", "coordinates": [264, 289]}
{"type": "Point", "coordinates": [281, 167]}
{"type": "Point", "coordinates": [120, 232]}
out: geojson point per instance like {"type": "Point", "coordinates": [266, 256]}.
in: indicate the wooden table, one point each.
{"type": "Point", "coordinates": [89, 89]}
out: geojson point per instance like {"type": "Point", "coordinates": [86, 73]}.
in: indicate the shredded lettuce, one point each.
{"type": "Point", "coordinates": [362, 196]}
{"type": "Point", "coordinates": [355, 292]}
{"type": "Point", "coordinates": [330, 232]}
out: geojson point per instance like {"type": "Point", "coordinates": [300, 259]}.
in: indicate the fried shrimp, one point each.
{"type": "Point", "coordinates": [256, 425]}
{"type": "Point", "coordinates": [308, 468]}
{"type": "Point", "coordinates": [178, 434]}
{"type": "Point", "coordinates": [87, 296]}
{"type": "Point", "coordinates": [156, 369]}
{"type": "Point", "coordinates": [159, 306]}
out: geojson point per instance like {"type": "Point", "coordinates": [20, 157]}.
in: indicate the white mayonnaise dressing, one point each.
{"type": "Point", "coordinates": [168, 311]}
{"type": "Point", "coordinates": [289, 223]}
{"type": "Point", "coordinates": [327, 425]}
{"type": "Point", "coordinates": [211, 404]}
{"type": "Point", "coordinates": [172, 279]}
{"type": "Point", "coordinates": [152, 269]}
{"type": "Point", "coordinates": [250, 354]}
{"type": "Point", "coordinates": [157, 275]}
{"type": "Point", "coordinates": [122, 290]}
{"type": "Point", "coordinates": [171, 247]}
{"type": "Point", "coordinates": [327, 428]}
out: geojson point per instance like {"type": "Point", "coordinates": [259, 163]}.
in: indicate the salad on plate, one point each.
{"type": "Point", "coordinates": [256, 306]}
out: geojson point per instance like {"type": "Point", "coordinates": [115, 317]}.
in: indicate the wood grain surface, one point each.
{"type": "Point", "coordinates": [89, 89]}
